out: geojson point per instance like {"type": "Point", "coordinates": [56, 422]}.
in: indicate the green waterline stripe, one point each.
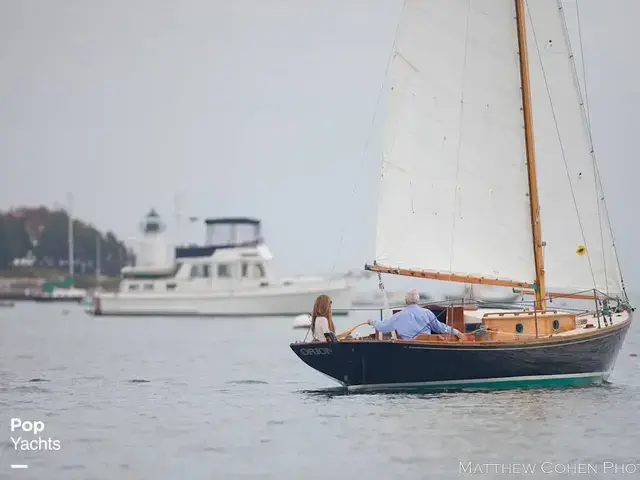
{"type": "Point", "coordinates": [516, 382]}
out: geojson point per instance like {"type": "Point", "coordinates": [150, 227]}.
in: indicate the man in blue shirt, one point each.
{"type": "Point", "coordinates": [413, 320]}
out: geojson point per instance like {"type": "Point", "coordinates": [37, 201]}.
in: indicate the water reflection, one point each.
{"type": "Point", "coordinates": [137, 386]}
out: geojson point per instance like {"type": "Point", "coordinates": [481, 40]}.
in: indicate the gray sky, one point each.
{"type": "Point", "coordinates": [247, 107]}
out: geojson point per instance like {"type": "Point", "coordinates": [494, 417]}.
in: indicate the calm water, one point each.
{"type": "Point", "coordinates": [163, 398]}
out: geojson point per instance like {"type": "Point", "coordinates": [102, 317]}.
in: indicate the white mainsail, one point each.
{"type": "Point", "coordinates": [571, 200]}
{"type": "Point", "coordinates": [454, 193]}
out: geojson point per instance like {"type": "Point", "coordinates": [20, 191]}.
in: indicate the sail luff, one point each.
{"type": "Point", "coordinates": [536, 228]}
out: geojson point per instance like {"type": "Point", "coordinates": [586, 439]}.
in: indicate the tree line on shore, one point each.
{"type": "Point", "coordinates": [37, 238]}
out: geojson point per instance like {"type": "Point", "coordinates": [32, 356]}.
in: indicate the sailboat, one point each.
{"type": "Point", "coordinates": [63, 290]}
{"type": "Point", "coordinates": [488, 177]}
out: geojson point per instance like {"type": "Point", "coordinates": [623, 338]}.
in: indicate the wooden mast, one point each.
{"type": "Point", "coordinates": [531, 162]}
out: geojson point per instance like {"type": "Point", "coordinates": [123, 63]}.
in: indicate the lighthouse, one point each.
{"type": "Point", "coordinates": [154, 250]}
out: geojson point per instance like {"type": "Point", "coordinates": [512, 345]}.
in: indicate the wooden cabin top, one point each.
{"type": "Point", "coordinates": [505, 326]}
{"type": "Point", "coordinates": [493, 326]}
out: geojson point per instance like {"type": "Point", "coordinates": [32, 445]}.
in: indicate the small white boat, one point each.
{"type": "Point", "coordinates": [61, 295]}
{"type": "Point", "coordinates": [484, 295]}
{"type": "Point", "coordinates": [376, 298]}
{"type": "Point", "coordinates": [491, 294]}
{"type": "Point", "coordinates": [228, 276]}
{"type": "Point", "coordinates": [302, 321]}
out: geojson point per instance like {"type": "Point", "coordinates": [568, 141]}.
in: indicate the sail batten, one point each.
{"type": "Point", "coordinates": [453, 193]}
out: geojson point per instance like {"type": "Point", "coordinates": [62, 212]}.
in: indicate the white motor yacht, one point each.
{"type": "Point", "coordinates": [230, 275]}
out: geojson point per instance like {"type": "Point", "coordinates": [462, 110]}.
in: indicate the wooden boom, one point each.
{"type": "Point", "coordinates": [447, 277]}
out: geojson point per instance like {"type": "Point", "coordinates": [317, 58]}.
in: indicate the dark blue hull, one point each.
{"type": "Point", "coordinates": [372, 365]}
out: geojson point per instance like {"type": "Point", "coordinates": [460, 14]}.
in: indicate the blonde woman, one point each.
{"type": "Point", "coordinates": [321, 318]}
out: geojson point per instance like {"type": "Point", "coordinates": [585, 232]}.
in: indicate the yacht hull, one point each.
{"type": "Point", "coordinates": [383, 365]}
{"type": "Point", "coordinates": [265, 301]}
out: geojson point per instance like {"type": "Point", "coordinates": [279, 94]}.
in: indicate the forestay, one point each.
{"type": "Point", "coordinates": [454, 193]}
{"type": "Point", "coordinates": [571, 198]}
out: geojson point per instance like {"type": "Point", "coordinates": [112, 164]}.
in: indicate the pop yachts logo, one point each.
{"type": "Point", "coordinates": [315, 351]}
{"type": "Point", "coordinates": [31, 429]}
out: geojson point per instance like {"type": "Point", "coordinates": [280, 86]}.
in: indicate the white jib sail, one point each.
{"type": "Point", "coordinates": [571, 200]}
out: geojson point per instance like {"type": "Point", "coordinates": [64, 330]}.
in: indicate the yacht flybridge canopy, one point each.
{"type": "Point", "coordinates": [224, 233]}
{"type": "Point", "coordinates": [230, 220]}
{"type": "Point", "coordinates": [236, 231]}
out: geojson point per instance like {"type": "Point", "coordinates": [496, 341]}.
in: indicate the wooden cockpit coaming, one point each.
{"type": "Point", "coordinates": [512, 328]}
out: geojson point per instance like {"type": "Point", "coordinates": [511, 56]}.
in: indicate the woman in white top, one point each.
{"type": "Point", "coordinates": [321, 319]}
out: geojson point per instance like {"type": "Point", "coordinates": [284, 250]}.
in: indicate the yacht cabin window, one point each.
{"type": "Point", "coordinates": [245, 269]}
{"type": "Point", "coordinates": [258, 271]}
{"type": "Point", "coordinates": [224, 270]}
{"type": "Point", "coordinates": [148, 286]}
{"type": "Point", "coordinates": [200, 271]}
